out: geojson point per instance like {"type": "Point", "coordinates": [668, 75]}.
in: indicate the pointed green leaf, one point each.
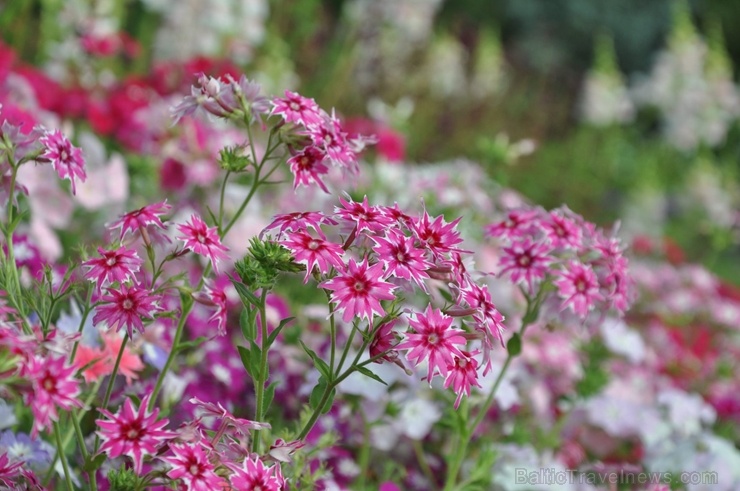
{"type": "Point", "coordinates": [514, 346]}
{"type": "Point", "coordinates": [274, 334]}
{"type": "Point", "coordinates": [368, 373]}
{"type": "Point", "coordinates": [320, 364]}
{"type": "Point", "coordinates": [245, 355]}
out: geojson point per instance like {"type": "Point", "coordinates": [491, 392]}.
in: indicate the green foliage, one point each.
{"type": "Point", "coordinates": [234, 159]}
{"type": "Point", "coordinates": [263, 263]}
{"type": "Point", "coordinates": [123, 479]}
{"type": "Point", "coordinates": [595, 377]}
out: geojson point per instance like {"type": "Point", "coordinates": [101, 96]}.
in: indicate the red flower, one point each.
{"type": "Point", "coordinates": [203, 240]}
{"type": "Point", "coordinates": [134, 433]}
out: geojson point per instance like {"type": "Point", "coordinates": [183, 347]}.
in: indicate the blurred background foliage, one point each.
{"type": "Point", "coordinates": [503, 82]}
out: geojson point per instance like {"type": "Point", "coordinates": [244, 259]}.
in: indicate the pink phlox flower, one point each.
{"type": "Point", "coordinates": [217, 296]}
{"type": "Point", "coordinates": [384, 341]}
{"type": "Point", "coordinates": [329, 137]}
{"type": "Point", "coordinates": [462, 374]}
{"type": "Point", "coordinates": [526, 260]}
{"type": "Point", "coordinates": [562, 231]}
{"type": "Point", "coordinates": [308, 166]}
{"type": "Point", "coordinates": [234, 91]}
{"type": "Point", "coordinates": [204, 97]}
{"type": "Point", "coordinates": [487, 316]}
{"type": "Point", "coordinates": [53, 384]}
{"type": "Point", "coordinates": [125, 307]}
{"type": "Point", "coordinates": [438, 236]}
{"type": "Point", "coordinates": [434, 340]}
{"type": "Point", "coordinates": [358, 289]}
{"type": "Point", "coordinates": [203, 240]}
{"type": "Point", "coordinates": [517, 224]}
{"type": "Point", "coordinates": [364, 216]}
{"type": "Point", "coordinates": [578, 285]}
{"type": "Point", "coordinates": [396, 213]}
{"type": "Point", "coordinates": [65, 158]}
{"type": "Point", "coordinates": [133, 433]}
{"type": "Point", "coordinates": [401, 258]}
{"type": "Point", "coordinates": [242, 426]}
{"type": "Point", "coordinates": [294, 108]}
{"type": "Point", "coordinates": [314, 252]}
{"type": "Point", "coordinates": [9, 471]}
{"type": "Point", "coordinates": [617, 285]}
{"type": "Point", "coordinates": [299, 221]}
{"type": "Point", "coordinates": [254, 475]}
{"type": "Point", "coordinates": [112, 266]}
{"type": "Point", "coordinates": [190, 465]}
{"type": "Point", "coordinates": [139, 220]}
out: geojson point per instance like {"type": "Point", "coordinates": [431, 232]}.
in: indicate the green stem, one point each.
{"type": "Point", "coordinates": [221, 202]}
{"type": "Point", "coordinates": [85, 314]}
{"type": "Point", "coordinates": [186, 303]}
{"type": "Point", "coordinates": [261, 379]}
{"type": "Point", "coordinates": [111, 383]}
{"type": "Point", "coordinates": [85, 454]}
{"type": "Point", "coordinates": [60, 451]}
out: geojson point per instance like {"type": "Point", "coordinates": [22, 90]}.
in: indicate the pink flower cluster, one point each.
{"type": "Point", "coordinates": [586, 266]}
{"type": "Point", "coordinates": [384, 253]}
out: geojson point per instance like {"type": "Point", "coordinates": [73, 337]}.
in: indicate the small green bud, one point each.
{"type": "Point", "coordinates": [234, 158]}
{"type": "Point", "coordinates": [122, 480]}
{"type": "Point", "coordinates": [263, 263]}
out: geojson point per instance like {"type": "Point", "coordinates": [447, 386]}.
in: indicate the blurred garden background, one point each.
{"type": "Point", "coordinates": [621, 109]}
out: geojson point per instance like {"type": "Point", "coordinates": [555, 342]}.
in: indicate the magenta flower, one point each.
{"type": "Point", "coordinates": [439, 236]}
{"type": "Point", "coordinates": [401, 258]}
{"type": "Point", "coordinates": [190, 465]}
{"type": "Point", "coordinates": [462, 375]}
{"type": "Point", "coordinates": [112, 266]}
{"type": "Point", "coordinates": [132, 433]}
{"type": "Point", "coordinates": [562, 231]}
{"type": "Point", "coordinates": [254, 475]}
{"type": "Point", "coordinates": [125, 307]}
{"type": "Point", "coordinates": [488, 318]}
{"type": "Point", "coordinates": [579, 287]}
{"type": "Point", "coordinates": [314, 252]}
{"type": "Point", "coordinates": [384, 341]}
{"type": "Point", "coordinates": [203, 240]}
{"type": "Point", "coordinates": [53, 384]}
{"type": "Point", "coordinates": [517, 224]}
{"type": "Point", "coordinates": [217, 297]}
{"type": "Point", "coordinates": [65, 158]}
{"type": "Point", "coordinates": [434, 340]}
{"type": "Point", "coordinates": [141, 219]}
{"type": "Point", "coordinates": [308, 166]}
{"type": "Point", "coordinates": [300, 221]}
{"type": "Point", "coordinates": [295, 108]}
{"type": "Point", "coordinates": [358, 289]}
{"type": "Point", "coordinates": [8, 472]}
{"type": "Point", "coordinates": [526, 260]}
{"type": "Point", "coordinates": [329, 137]}
{"type": "Point", "coordinates": [364, 216]}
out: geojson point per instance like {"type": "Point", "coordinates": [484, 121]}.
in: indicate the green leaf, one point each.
{"type": "Point", "coordinates": [248, 323]}
{"type": "Point", "coordinates": [370, 374]}
{"type": "Point", "coordinates": [268, 397]}
{"type": "Point", "coordinates": [193, 343]}
{"type": "Point", "coordinates": [318, 392]}
{"type": "Point", "coordinates": [274, 334]}
{"type": "Point", "coordinates": [93, 464]}
{"type": "Point", "coordinates": [514, 346]}
{"type": "Point", "coordinates": [256, 359]}
{"type": "Point", "coordinates": [320, 364]}
{"type": "Point", "coordinates": [245, 294]}
{"type": "Point", "coordinates": [245, 355]}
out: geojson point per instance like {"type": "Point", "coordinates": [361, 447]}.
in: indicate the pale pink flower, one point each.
{"type": "Point", "coordinates": [203, 240]}
{"type": "Point", "coordinates": [562, 231]}
{"type": "Point", "coordinates": [133, 433]}
{"type": "Point", "coordinates": [125, 307]}
{"type": "Point", "coordinates": [434, 339]}
{"type": "Point", "coordinates": [112, 266]}
{"type": "Point", "coordinates": [242, 426]}
{"type": "Point", "coordinates": [191, 466]}
{"type": "Point", "coordinates": [65, 158]}
{"type": "Point", "coordinates": [578, 285]}
{"type": "Point", "coordinates": [358, 289]}
{"type": "Point", "coordinates": [517, 223]}
{"type": "Point", "coordinates": [282, 450]}
{"type": "Point", "coordinates": [254, 475]}
{"type": "Point", "coordinates": [314, 252]}
{"type": "Point", "coordinates": [53, 385]}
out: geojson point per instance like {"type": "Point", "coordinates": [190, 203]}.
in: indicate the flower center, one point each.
{"type": "Point", "coordinates": [524, 260]}
{"type": "Point", "coordinates": [433, 339]}
{"type": "Point", "coordinates": [359, 286]}
{"type": "Point", "coordinates": [313, 245]}
{"type": "Point", "coordinates": [295, 106]}
{"type": "Point", "coordinates": [200, 237]}
{"type": "Point", "coordinates": [49, 384]}
{"type": "Point", "coordinates": [127, 304]}
{"type": "Point", "coordinates": [401, 256]}
{"type": "Point", "coordinates": [194, 469]}
{"type": "Point", "coordinates": [581, 285]}
{"type": "Point", "coordinates": [63, 154]}
{"type": "Point", "coordinates": [111, 261]}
